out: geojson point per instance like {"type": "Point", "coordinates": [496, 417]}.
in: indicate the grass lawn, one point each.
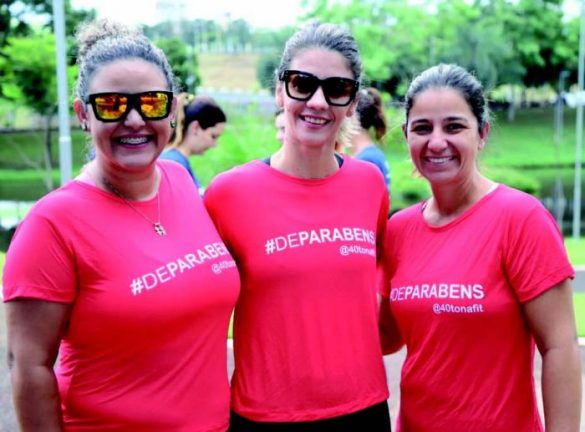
{"type": "Point", "coordinates": [576, 250]}
{"type": "Point", "coordinates": [579, 303]}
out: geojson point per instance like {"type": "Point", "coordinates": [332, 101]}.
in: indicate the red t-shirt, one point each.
{"type": "Point", "coordinates": [456, 292]}
{"type": "Point", "coordinates": [145, 348]}
{"type": "Point", "coordinates": [306, 342]}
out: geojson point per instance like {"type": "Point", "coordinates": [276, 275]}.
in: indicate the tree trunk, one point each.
{"type": "Point", "coordinates": [512, 104]}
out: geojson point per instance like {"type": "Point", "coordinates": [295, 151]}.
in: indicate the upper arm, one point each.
{"type": "Point", "coordinates": [35, 329]}
{"type": "Point", "coordinates": [551, 317]}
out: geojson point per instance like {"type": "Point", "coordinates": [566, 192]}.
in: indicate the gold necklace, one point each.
{"type": "Point", "coordinates": [156, 225]}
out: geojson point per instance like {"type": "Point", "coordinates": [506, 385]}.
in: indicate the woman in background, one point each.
{"type": "Point", "coordinates": [200, 123]}
{"type": "Point", "coordinates": [371, 118]}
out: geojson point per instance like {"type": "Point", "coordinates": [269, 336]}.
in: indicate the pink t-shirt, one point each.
{"type": "Point", "coordinates": [145, 349]}
{"type": "Point", "coordinates": [456, 292]}
{"type": "Point", "coordinates": [305, 333]}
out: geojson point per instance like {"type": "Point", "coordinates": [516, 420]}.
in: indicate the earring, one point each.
{"type": "Point", "coordinates": [84, 127]}
{"type": "Point", "coordinates": [173, 124]}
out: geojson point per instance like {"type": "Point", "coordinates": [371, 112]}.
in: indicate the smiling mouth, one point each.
{"type": "Point", "coordinates": [318, 121]}
{"type": "Point", "coordinates": [439, 160]}
{"type": "Point", "coordinates": [133, 141]}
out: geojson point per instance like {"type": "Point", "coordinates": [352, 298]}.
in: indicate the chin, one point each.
{"type": "Point", "coordinates": [136, 163]}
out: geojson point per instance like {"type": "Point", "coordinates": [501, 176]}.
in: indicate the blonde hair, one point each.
{"type": "Point", "coordinates": [350, 126]}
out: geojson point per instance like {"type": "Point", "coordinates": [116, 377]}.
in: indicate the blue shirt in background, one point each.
{"type": "Point", "coordinates": [374, 155]}
{"type": "Point", "coordinates": [175, 155]}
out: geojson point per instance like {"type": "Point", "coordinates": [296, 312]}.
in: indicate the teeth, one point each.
{"type": "Point", "coordinates": [315, 120]}
{"type": "Point", "coordinates": [133, 141]}
{"type": "Point", "coordinates": [439, 160]}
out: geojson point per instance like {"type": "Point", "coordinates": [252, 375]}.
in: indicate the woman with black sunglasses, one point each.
{"type": "Point", "coordinates": [305, 226]}
{"type": "Point", "coordinates": [121, 270]}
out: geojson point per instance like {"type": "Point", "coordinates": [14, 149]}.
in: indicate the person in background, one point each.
{"type": "Point", "coordinates": [306, 340]}
{"type": "Point", "coordinates": [120, 271]}
{"type": "Point", "coordinates": [475, 276]}
{"type": "Point", "coordinates": [279, 123]}
{"type": "Point", "coordinates": [370, 131]}
{"type": "Point", "coordinates": [200, 123]}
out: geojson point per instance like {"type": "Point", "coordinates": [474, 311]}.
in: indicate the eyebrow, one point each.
{"type": "Point", "coordinates": [447, 119]}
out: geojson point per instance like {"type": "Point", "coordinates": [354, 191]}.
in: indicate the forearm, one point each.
{"type": "Point", "coordinates": [561, 388]}
{"type": "Point", "coordinates": [389, 334]}
{"type": "Point", "coordinates": [36, 399]}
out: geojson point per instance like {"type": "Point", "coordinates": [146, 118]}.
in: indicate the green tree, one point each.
{"type": "Point", "coordinates": [537, 32]}
{"type": "Point", "coordinates": [30, 66]}
{"type": "Point", "coordinates": [14, 15]}
{"type": "Point", "coordinates": [475, 39]}
{"type": "Point", "coordinates": [267, 65]}
{"type": "Point", "coordinates": [394, 36]}
{"type": "Point", "coordinates": [185, 66]}
{"type": "Point", "coordinates": [239, 34]}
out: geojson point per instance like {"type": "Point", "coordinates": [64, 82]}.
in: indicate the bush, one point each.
{"type": "Point", "coordinates": [5, 238]}
{"type": "Point", "coordinates": [514, 178]}
{"type": "Point", "coordinates": [407, 186]}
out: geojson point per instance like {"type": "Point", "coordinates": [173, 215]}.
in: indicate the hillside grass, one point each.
{"type": "Point", "coordinates": [229, 71]}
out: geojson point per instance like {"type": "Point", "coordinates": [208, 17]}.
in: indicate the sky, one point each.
{"type": "Point", "coordinates": [258, 13]}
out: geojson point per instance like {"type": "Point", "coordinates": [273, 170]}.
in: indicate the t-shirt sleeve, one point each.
{"type": "Point", "coordinates": [210, 201]}
{"type": "Point", "coordinates": [39, 264]}
{"type": "Point", "coordinates": [535, 257]}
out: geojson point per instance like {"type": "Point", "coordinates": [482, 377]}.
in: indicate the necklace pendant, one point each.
{"type": "Point", "coordinates": [159, 229]}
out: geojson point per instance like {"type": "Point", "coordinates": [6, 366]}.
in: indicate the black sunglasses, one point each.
{"type": "Point", "coordinates": [303, 85]}
{"type": "Point", "coordinates": [114, 106]}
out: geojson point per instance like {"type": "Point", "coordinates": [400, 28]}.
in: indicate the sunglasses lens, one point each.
{"type": "Point", "coordinates": [154, 105]}
{"type": "Point", "coordinates": [110, 106]}
{"type": "Point", "coordinates": [339, 91]}
{"type": "Point", "coordinates": [300, 86]}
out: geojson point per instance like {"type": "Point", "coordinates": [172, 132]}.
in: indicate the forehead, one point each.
{"type": "Point", "coordinates": [322, 63]}
{"type": "Point", "coordinates": [440, 102]}
{"type": "Point", "coordinates": [128, 76]}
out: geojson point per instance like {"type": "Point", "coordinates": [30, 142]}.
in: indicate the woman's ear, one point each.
{"type": "Point", "coordinates": [404, 130]}
{"type": "Point", "coordinates": [193, 128]}
{"type": "Point", "coordinates": [278, 95]}
{"type": "Point", "coordinates": [353, 105]}
{"type": "Point", "coordinates": [81, 113]}
{"type": "Point", "coordinates": [173, 114]}
{"type": "Point", "coordinates": [483, 136]}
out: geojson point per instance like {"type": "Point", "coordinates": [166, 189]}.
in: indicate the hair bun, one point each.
{"type": "Point", "coordinates": [90, 33]}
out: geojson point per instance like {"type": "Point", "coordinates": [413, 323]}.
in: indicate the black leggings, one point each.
{"type": "Point", "coordinates": [373, 419]}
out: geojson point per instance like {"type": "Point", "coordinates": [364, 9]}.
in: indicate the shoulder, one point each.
{"type": "Point", "coordinates": [237, 182]}
{"type": "Point", "coordinates": [363, 168]}
{"type": "Point", "coordinates": [405, 216]}
{"type": "Point", "coordinates": [515, 203]}
{"type": "Point", "coordinates": [239, 176]}
{"type": "Point", "coordinates": [177, 175]}
{"type": "Point", "coordinates": [172, 168]}
{"type": "Point", "coordinates": [60, 208]}
{"type": "Point", "coordinates": [371, 152]}
{"type": "Point", "coordinates": [171, 154]}
{"type": "Point", "coordinates": [63, 199]}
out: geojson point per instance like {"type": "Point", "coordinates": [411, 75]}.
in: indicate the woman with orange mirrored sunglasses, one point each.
{"type": "Point", "coordinates": [120, 271]}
